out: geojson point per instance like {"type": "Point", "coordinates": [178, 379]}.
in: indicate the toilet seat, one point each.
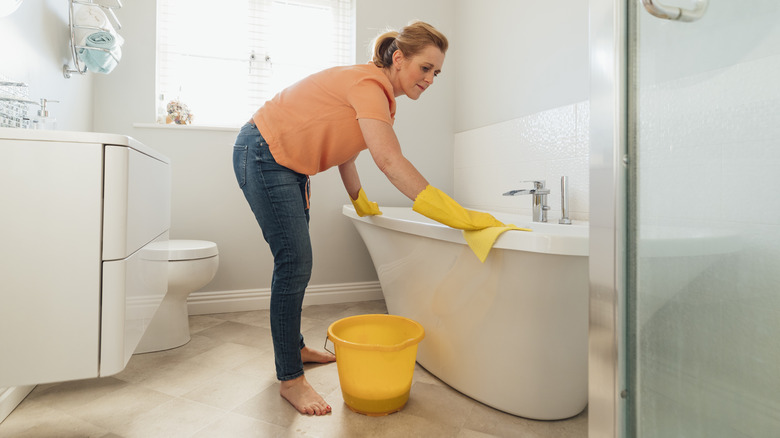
{"type": "Point", "coordinates": [173, 250]}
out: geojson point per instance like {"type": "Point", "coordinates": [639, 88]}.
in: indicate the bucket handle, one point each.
{"type": "Point", "coordinates": [326, 345]}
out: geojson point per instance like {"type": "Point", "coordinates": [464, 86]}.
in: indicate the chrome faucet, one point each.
{"type": "Point", "coordinates": [538, 199]}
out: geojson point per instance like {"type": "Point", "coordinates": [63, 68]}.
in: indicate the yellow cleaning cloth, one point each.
{"type": "Point", "coordinates": [482, 241]}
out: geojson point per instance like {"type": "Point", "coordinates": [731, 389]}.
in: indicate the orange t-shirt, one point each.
{"type": "Point", "coordinates": [312, 125]}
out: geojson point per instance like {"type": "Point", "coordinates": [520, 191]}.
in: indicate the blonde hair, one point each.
{"type": "Point", "coordinates": [411, 40]}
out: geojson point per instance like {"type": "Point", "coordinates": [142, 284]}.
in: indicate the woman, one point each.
{"type": "Point", "coordinates": [320, 122]}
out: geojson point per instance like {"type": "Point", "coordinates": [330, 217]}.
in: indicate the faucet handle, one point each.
{"type": "Point", "coordinates": [538, 184]}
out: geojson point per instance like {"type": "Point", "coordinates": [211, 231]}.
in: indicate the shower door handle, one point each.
{"type": "Point", "coordinates": [675, 13]}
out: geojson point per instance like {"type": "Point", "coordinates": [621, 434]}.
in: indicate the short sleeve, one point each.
{"type": "Point", "coordinates": [370, 100]}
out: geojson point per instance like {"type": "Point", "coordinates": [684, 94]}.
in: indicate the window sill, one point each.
{"type": "Point", "coordinates": [185, 127]}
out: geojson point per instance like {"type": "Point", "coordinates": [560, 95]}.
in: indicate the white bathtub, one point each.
{"type": "Point", "coordinates": [511, 332]}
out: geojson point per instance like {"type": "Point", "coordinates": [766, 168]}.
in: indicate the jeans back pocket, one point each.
{"type": "Point", "coordinates": [240, 152]}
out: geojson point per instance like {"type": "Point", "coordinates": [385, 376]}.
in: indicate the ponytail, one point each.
{"type": "Point", "coordinates": [384, 47]}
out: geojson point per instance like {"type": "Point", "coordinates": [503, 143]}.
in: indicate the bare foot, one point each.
{"type": "Point", "coordinates": [303, 397]}
{"type": "Point", "coordinates": [308, 355]}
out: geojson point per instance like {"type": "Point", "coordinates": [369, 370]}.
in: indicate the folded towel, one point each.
{"type": "Point", "coordinates": [93, 17]}
{"type": "Point", "coordinates": [482, 241]}
{"type": "Point", "coordinates": [105, 56]}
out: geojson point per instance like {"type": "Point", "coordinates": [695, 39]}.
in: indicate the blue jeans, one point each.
{"type": "Point", "coordinates": [279, 198]}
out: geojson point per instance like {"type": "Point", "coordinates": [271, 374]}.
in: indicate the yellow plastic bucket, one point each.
{"type": "Point", "coordinates": [375, 356]}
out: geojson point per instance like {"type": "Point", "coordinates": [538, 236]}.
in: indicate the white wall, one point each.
{"type": "Point", "coordinates": [35, 46]}
{"type": "Point", "coordinates": [521, 109]}
{"type": "Point", "coordinates": [518, 57]}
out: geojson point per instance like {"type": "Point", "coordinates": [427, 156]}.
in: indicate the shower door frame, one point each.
{"type": "Point", "coordinates": [607, 205]}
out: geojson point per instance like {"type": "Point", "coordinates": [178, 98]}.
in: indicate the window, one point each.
{"type": "Point", "coordinates": [224, 59]}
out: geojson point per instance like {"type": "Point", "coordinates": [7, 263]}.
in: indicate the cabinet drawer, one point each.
{"type": "Point", "coordinates": [136, 204]}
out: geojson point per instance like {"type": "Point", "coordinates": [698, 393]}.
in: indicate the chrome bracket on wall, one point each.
{"type": "Point", "coordinates": [675, 13]}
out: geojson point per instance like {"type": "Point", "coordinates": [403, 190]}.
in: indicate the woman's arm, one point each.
{"type": "Point", "coordinates": [357, 195]}
{"type": "Point", "coordinates": [428, 200]}
{"type": "Point", "coordinates": [386, 151]}
{"type": "Point", "coordinates": [350, 177]}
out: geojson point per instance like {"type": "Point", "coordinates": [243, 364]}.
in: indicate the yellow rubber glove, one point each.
{"type": "Point", "coordinates": [435, 204]}
{"type": "Point", "coordinates": [363, 206]}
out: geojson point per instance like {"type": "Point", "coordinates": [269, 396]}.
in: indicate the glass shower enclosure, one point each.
{"type": "Point", "coordinates": [685, 291]}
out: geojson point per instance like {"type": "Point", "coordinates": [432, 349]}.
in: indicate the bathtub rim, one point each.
{"type": "Point", "coordinates": [573, 241]}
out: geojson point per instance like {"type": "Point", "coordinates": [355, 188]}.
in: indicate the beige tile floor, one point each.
{"type": "Point", "coordinates": [222, 384]}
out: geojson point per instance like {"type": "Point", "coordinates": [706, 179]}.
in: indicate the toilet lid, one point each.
{"type": "Point", "coordinates": [182, 249]}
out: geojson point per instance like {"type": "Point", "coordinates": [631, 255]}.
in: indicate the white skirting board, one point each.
{"type": "Point", "coordinates": [203, 303]}
{"type": "Point", "coordinates": [11, 397]}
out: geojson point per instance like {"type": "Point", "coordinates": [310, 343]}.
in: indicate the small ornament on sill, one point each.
{"type": "Point", "coordinates": [178, 113]}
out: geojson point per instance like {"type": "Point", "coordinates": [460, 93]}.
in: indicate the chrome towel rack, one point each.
{"type": "Point", "coordinates": [78, 67]}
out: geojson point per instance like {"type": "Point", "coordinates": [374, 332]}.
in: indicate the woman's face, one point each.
{"type": "Point", "coordinates": [416, 73]}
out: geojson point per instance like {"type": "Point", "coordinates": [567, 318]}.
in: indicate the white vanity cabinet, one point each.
{"type": "Point", "coordinates": [76, 289]}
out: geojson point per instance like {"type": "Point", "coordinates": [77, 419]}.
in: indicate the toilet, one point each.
{"type": "Point", "coordinates": [192, 264]}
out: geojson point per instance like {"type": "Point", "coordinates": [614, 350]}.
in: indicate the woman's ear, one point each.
{"type": "Point", "coordinates": [398, 59]}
